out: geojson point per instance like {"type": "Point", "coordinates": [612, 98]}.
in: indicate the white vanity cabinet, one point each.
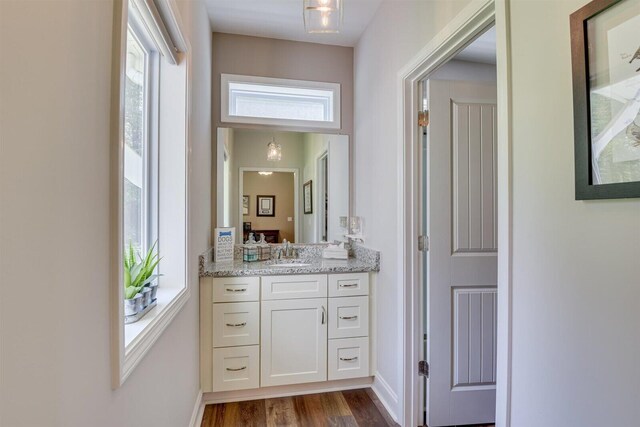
{"type": "Point", "coordinates": [283, 330]}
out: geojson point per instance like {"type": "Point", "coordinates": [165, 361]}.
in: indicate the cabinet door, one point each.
{"type": "Point", "coordinates": [294, 341]}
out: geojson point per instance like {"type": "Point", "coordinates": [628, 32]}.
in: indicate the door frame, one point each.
{"type": "Point", "coordinates": [460, 32]}
{"type": "Point", "coordinates": [296, 194]}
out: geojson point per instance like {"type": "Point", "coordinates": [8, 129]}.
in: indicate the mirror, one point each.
{"type": "Point", "coordinates": [287, 185]}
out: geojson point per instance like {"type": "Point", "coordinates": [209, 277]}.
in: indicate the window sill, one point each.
{"type": "Point", "coordinates": [140, 336]}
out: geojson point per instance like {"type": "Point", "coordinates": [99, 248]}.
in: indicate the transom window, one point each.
{"type": "Point", "coordinates": [262, 100]}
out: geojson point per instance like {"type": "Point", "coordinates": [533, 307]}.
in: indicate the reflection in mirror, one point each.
{"type": "Point", "coordinates": [299, 197]}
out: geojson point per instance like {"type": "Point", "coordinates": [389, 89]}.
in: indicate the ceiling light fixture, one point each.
{"type": "Point", "coordinates": [264, 173]}
{"type": "Point", "coordinates": [274, 151]}
{"type": "Point", "coordinates": [322, 16]}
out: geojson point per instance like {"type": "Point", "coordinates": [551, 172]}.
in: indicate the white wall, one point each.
{"type": "Point", "coordinates": [54, 225]}
{"type": "Point", "coordinates": [399, 30]}
{"type": "Point", "coordinates": [576, 275]}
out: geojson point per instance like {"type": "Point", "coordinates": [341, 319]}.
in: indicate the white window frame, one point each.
{"type": "Point", "coordinates": [128, 347]}
{"type": "Point", "coordinates": [226, 117]}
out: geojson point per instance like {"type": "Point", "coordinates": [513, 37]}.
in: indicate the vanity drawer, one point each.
{"type": "Point", "coordinates": [236, 368]}
{"type": "Point", "coordinates": [348, 285]}
{"type": "Point", "coordinates": [236, 323]}
{"type": "Point", "coordinates": [348, 358]}
{"type": "Point", "coordinates": [233, 289]}
{"type": "Point", "coordinates": [290, 287]}
{"type": "Point", "coordinates": [348, 317]}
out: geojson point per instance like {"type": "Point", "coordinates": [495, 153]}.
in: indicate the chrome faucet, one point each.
{"type": "Point", "coordinates": [287, 251]}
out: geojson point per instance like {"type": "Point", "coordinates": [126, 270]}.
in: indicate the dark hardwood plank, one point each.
{"type": "Point", "coordinates": [342, 421]}
{"type": "Point", "coordinates": [363, 409]}
{"type": "Point", "coordinates": [213, 415]}
{"type": "Point", "coordinates": [334, 404]}
{"type": "Point", "coordinates": [280, 412]}
{"type": "Point", "coordinates": [309, 410]}
{"type": "Point", "coordinates": [374, 398]}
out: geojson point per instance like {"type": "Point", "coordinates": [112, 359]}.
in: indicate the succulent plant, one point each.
{"type": "Point", "coordinates": [138, 271]}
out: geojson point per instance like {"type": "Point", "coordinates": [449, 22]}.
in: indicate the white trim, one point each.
{"type": "Point", "coordinates": [505, 213]}
{"type": "Point", "coordinates": [198, 411]}
{"type": "Point", "coordinates": [296, 195]}
{"type": "Point", "coordinates": [124, 362]}
{"type": "Point", "coordinates": [386, 396]}
{"type": "Point", "coordinates": [286, 390]}
{"type": "Point", "coordinates": [226, 118]}
{"type": "Point", "coordinates": [462, 30]}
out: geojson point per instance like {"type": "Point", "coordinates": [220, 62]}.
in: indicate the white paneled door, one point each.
{"type": "Point", "coordinates": [461, 266]}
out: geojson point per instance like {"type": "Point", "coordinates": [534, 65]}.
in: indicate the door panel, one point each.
{"type": "Point", "coordinates": [462, 258]}
{"type": "Point", "coordinates": [294, 341]}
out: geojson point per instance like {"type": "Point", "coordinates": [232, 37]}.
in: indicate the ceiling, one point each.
{"type": "Point", "coordinates": [282, 19]}
{"type": "Point", "coordinates": [483, 49]}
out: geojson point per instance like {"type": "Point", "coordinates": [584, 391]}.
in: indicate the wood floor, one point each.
{"type": "Point", "coordinates": [352, 408]}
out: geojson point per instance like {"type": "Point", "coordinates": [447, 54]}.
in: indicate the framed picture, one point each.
{"type": "Point", "coordinates": [307, 197]}
{"type": "Point", "coordinates": [245, 205]}
{"type": "Point", "coordinates": [266, 206]}
{"type": "Point", "coordinates": [605, 53]}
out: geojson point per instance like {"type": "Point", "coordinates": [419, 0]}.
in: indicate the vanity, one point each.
{"type": "Point", "coordinates": [296, 323]}
{"type": "Point", "coordinates": [287, 322]}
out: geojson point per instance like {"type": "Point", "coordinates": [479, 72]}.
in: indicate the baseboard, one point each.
{"type": "Point", "coordinates": [285, 391]}
{"type": "Point", "coordinates": [386, 395]}
{"type": "Point", "coordinates": [198, 411]}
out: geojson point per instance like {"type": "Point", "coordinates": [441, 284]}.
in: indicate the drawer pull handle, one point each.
{"type": "Point", "coordinates": [237, 325]}
{"type": "Point", "coordinates": [348, 317]}
{"type": "Point", "coordinates": [236, 369]}
{"type": "Point", "coordinates": [349, 359]}
{"type": "Point", "coordinates": [236, 290]}
{"type": "Point", "coordinates": [348, 285]}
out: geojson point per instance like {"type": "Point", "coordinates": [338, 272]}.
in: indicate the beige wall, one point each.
{"type": "Point", "coordinates": [256, 56]}
{"type": "Point", "coordinates": [281, 185]}
{"type": "Point", "coordinates": [576, 275]}
{"type": "Point", "coordinates": [54, 188]}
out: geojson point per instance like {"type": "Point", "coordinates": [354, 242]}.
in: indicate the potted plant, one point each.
{"type": "Point", "coordinates": [139, 280]}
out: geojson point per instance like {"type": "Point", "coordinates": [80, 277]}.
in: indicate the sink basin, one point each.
{"type": "Point", "coordinates": [288, 263]}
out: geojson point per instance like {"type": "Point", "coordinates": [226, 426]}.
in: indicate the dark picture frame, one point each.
{"type": "Point", "coordinates": [307, 197]}
{"type": "Point", "coordinates": [245, 205]}
{"type": "Point", "coordinates": [586, 69]}
{"type": "Point", "coordinates": [265, 205]}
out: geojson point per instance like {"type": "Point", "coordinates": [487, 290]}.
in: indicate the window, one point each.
{"type": "Point", "coordinates": [140, 142]}
{"type": "Point", "coordinates": [261, 100]}
{"type": "Point", "coordinates": [152, 192]}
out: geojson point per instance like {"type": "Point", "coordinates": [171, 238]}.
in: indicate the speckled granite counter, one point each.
{"type": "Point", "coordinates": [362, 260]}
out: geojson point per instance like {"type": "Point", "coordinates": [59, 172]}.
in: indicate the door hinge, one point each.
{"type": "Point", "coordinates": [423, 243]}
{"type": "Point", "coordinates": [423, 118]}
{"type": "Point", "coordinates": [423, 368]}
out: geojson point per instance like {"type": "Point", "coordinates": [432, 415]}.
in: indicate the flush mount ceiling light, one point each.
{"type": "Point", "coordinates": [263, 173]}
{"type": "Point", "coordinates": [274, 151]}
{"type": "Point", "coordinates": [322, 16]}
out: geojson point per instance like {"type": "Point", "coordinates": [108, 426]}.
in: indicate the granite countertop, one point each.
{"type": "Point", "coordinates": [361, 260]}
